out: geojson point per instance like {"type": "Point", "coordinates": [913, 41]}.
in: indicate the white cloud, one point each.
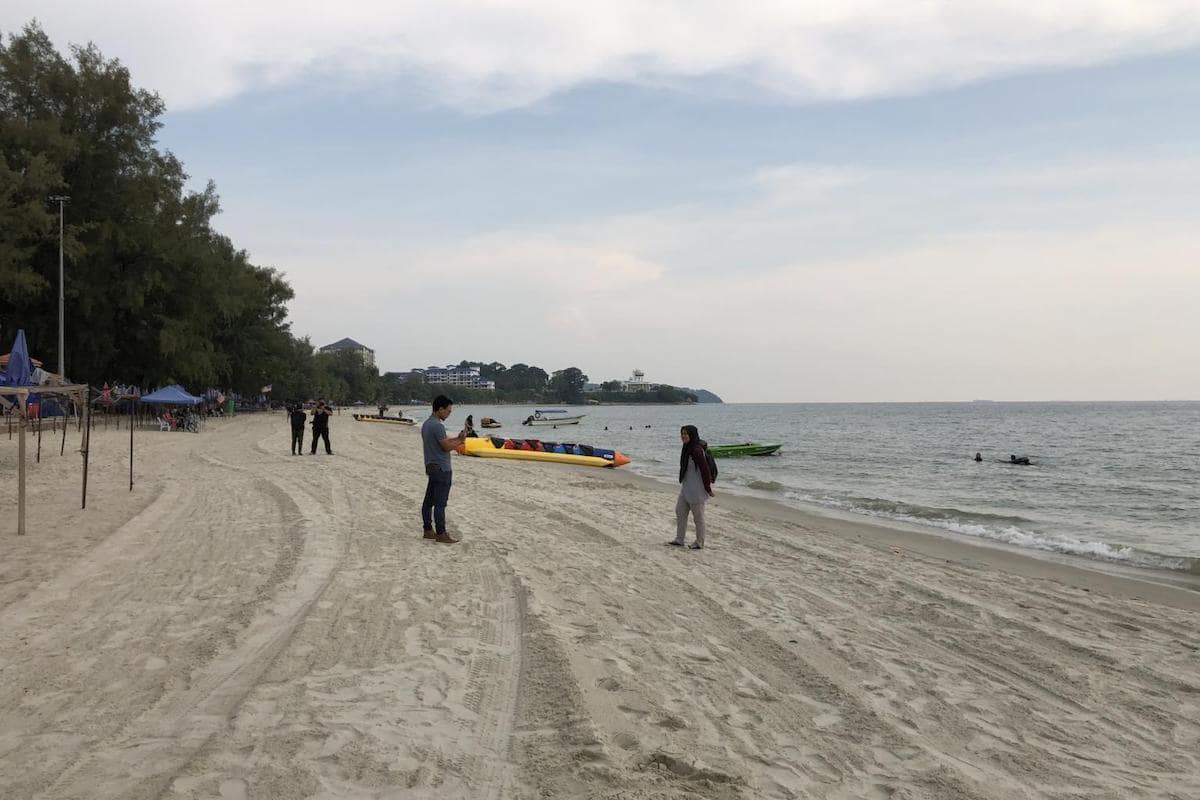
{"type": "Point", "coordinates": [482, 56]}
{"type": "Point", "coordinates": [1097, 304]}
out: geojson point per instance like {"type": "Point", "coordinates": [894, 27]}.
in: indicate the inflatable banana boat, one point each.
{"type": "Point", "coordinates": [534, 450]}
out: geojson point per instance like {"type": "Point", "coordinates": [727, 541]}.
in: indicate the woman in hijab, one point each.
{"type": "Point", "coordinates": [695, 487]}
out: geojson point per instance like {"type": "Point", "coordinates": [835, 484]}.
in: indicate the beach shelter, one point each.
{"type": "Point", "coordinates": [19, 390]}
{"type": "Point", "coordinates": [173, 395]}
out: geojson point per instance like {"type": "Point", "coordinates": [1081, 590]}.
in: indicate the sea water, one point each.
{"type": "Point", "coordinates": [1109, 482]}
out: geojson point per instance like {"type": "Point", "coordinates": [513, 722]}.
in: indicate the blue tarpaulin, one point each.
{"type": "Point", "coordinates": [20, 369]}
{"type": "Point", "coordinates": [173, 395]}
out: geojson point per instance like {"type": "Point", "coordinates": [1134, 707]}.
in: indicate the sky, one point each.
{"type": "Point", "coordinates": [777, 201]}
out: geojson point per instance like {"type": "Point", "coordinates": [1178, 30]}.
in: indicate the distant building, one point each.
{"type": "Point", "coordinates": [637, 383]}
{"type": "Point", "coordinates": [455, 376]}
{"type": "Point", "coordinates": [367, 354]}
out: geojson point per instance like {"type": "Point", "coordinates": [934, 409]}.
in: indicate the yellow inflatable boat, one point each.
{"type": "Point", "coordinates": [534, 450]}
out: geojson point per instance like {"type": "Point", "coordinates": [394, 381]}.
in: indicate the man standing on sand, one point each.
{"type": "Point", "coordinates": [436, 446]}
{"type": "Point", "coordinates": [296, 415]}
{"type": "Point", "coordinates": [320, 423]}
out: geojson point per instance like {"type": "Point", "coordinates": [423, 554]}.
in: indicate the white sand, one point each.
{"type": "Point", "coordinates": [247, 624]}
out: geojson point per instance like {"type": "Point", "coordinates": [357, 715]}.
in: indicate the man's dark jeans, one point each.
{"type": "Point", "coordinates": [437, 494]}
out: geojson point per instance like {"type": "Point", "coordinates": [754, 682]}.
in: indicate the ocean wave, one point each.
{"type": "Point", "coordinates": [766, 486]}
{"type": "Point", "coordinates": [1013, 531]}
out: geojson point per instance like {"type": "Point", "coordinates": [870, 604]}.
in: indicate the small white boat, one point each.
{"type": "Point", "coordinates": [552, 417]}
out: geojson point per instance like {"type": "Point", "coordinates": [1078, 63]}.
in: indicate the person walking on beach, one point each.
{"type": "Point", "coordinates": [695, 487]}
{"type": "Point", "coordinates": [296, 416]}
{"type": "Point", "coordinates": [320, 423]}
{"type": "Point", "coordinates": [436, 447]}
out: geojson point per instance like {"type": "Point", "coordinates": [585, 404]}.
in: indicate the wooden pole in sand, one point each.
{"type": "Point", "coordinates": [63, 447]}
{"type": "Point", "coordinates": [131, 446]}
{"type": "Point", "coordinates": [87, 428]}
{"type": "Point", "coordinates": [21, 471]}
{"type": "Point", "coordinates": [39, 447]}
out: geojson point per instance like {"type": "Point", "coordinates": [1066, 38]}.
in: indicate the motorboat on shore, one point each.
{"type": "Point", "coordinates": [535, 450]}
{"type": "Point", "coordinates": [744, 449]}
{"type": "Point", "coordinates": [552, 417]}
{"type": "Point", "coordinates": [488, 422]}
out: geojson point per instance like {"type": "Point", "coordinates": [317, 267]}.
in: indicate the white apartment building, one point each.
{"type": "Point", "coordinates": [456, 376]}
{"type": "Point", "coordinates": [637, 383]}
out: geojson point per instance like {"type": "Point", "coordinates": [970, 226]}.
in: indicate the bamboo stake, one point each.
{"type": "Point", "coordinates": [21, 473]}
{"type": "Point", "coordinates": [87, 428]}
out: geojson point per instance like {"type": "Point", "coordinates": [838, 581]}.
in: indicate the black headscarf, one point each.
{"type": "Point", "coordinates": [685, 453]}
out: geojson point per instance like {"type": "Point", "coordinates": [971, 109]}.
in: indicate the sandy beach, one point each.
{"type": "Point", "coordinates": [248, 624]}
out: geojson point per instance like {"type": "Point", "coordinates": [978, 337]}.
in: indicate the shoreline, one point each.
{"type": "Point", "coordinates": [1177, 589]}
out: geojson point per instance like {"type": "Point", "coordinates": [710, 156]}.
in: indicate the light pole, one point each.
{"type": "Point", "coordinates": [61, 199]}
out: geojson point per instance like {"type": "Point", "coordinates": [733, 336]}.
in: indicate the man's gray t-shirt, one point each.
{"type": "Point", "coordinates": [432, 434]}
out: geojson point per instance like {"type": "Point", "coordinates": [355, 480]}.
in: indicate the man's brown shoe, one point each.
{"type": "Point", "coordinates": [429, 534]}
{"type": "Point", "coordinates": [445, 538]}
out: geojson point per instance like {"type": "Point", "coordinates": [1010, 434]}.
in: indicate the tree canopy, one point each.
{"type": "Point", "coordinates": [152, 292]}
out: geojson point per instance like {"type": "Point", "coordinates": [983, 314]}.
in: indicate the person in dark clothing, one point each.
{"type": "Point", "coordinates": [320, 423]}
{"type": "Point", "coordinates": [296, 416]}
{"type": "Point", "coordinates": [469, 428]}
{"type": "Point", "coordinates": [695, 486]}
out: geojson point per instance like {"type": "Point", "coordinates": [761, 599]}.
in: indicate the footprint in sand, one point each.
{"type": "Point", "coordinates": [626, 741]}
{"type": "Point", "coordinates": [609, 684]}
{"type": "Point", "coordinates": [234, 789]}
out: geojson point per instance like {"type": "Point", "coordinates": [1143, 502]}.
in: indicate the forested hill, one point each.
{"type": "Point", "coordinates": [702, 395]}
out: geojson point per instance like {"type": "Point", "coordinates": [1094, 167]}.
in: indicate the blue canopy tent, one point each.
{"type": "Point", "coordinates": [173, 395]}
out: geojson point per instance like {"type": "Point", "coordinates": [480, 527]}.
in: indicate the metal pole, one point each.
{"type": "Point", "coordinates": [61, 200]}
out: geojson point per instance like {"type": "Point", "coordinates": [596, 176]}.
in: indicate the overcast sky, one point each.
{"type": "Point", "coordinates": [776, 201]}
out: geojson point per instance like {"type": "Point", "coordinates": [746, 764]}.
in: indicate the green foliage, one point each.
{"type": "Point", "coordinates": [566, 385]}
{"type": "Point", "coordinates": [659, 394]}
{"type": "Point", "coordinates": [152, 292]}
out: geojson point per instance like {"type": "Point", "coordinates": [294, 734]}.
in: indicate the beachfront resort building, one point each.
{"type": "Point", "coordinates": [366, 353]}
{"type": "Point", "coordinates": [452, 376]}
{"type": "Point", "coordinates": [637, 383]}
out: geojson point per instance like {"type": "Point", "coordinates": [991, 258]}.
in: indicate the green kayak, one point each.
{"type": "Point", "coordinates": [747, 449]}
